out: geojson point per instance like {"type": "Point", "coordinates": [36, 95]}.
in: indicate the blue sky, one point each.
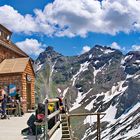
{"type": "Point", "coordinates": [72, 27]}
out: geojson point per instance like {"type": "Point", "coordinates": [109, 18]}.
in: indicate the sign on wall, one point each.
{"type": "Point", "coordinates": [28, 77]}
{"type": "Point", "coordinates": [12, 90]}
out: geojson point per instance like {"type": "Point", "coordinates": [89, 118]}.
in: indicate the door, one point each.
{"type": "Point", "coordinates": [28, 92]}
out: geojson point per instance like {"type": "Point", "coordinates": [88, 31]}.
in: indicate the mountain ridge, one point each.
{"type": "Point", "coordinates": [100, 80]}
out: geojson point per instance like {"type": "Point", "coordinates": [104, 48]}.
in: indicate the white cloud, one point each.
{"type": "Point", "coordinates": [136, 47]}
{"type": "Point", "coordinates": [30, 46]}
{"type": "Point", "coordinates": [115, 45]}
{"type": "Point", "coordinates": [27, 24]}
{"type": "Point", "coordinates": [15, 21]}
{"type": "Point", "coordinates": [76, 17]}
{"type": "Point", "coordinates": [85, 49]}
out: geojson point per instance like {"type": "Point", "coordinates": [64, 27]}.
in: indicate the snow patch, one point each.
{"type": "Point", "coordinates": [77, 102]}
{"type": "Point", "coordinates": [123, 122]}
{"type": "Point", "coordinates": [128, 57]}
{"type": "Point", "coordinates": [137, 61]}
{"type": "Point", "coordinates": [65, 91]}
{"type": "Point", "coordinates": [39, 67]}
{"type": "Point", "coordinates": [137, 76]}
{"type": "Point", "coordinates": [107, 51]}
{"type": "Point", "coordinates": [80, 97]}
{"type": "Point", "coordinates": [52, 68]}
{"type": "Point", "coordinates": [83, 67]}
{"type": "Point", "coordinates": [95, 72]}
{"type": "Point", "coordinates": [122, 61]}
{"type": "Point", "coordinates": [85, 94]}
{"type": "Point", "coordinates": [88, 134]}
{"type": "Point", "coordinates": [96, 61]}
{"type": "Point", "coordinates": [129, 76]}
{"type": "Point", "coordinates": [110, 114]}
{"type": "Point", "coordinates": [59, 90]}
{"type": "Point", "coordinates": [115, 90]}
{"type": "Point", "coordinates": [90, 56]}
{"type": "Point", "coordinates": [90, 119]}
{"type": "Point", "coordinates": [90, 105]}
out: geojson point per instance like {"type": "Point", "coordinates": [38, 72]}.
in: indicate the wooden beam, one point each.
{"type": "Point", "coordinates": [53, 114]}
{"type": "Point", "coordinates": [50, 133]}
{"type": "Point", "coordinates": [98, 127]}
{"type": "Point", "coordinates": [52, 100]}
{"type": "Point", "coordinates": [85, 114]}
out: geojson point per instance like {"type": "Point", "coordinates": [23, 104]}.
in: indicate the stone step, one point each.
{"type": "Point", "coordinates": [65, 132]}
{"type": "Point", "coordinates": [66, 139]}
{"type": "Point", "coordinates": [64, 120]}
{"type": "Point", "coordinates": [64, 124]}
{"type": "Point", "coordinates": [65, 135]}
{"type": "Point", "coordinates": [65, 128]}
{"type": "Point", "coordinates": [63, 116]}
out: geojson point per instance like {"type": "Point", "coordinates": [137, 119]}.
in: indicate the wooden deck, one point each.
{"type": "Point", "coordinates": [10, 129]}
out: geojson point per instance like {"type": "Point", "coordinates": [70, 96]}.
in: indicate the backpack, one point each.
{"type": "Point", "coordinates": [40, 117]}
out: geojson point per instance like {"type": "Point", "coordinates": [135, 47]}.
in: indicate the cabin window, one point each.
{"type": "Point", "coordinates": [8, 37]}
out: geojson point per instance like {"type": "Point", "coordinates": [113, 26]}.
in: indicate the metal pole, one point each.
{"type": "Point", "coordinates": [46, 120]}
{"type": "Point", "coordinates": [98, 127]}
{"type": "Point", "coordinates": [36, 132]}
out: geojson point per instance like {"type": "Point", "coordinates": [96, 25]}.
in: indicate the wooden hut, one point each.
{"type": "Point", "coordinates": [16, 69]}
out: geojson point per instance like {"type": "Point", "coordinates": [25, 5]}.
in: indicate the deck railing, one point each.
{"type": "Point", "coordinates": [56, 113]}
{"type": "Point", "coordinates": [49, 133]}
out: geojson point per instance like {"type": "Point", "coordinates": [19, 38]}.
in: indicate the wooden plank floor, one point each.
{"type": "Point", "coordinates": [10, 129]}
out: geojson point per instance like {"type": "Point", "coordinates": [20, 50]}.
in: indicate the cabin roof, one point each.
{"type": "Point", "coordinates": [13, 47]}
{"type": "Point", "coordinates": [5, 29]}
{"type": "Point", "coordinates": [9, 44]}
{"type": "Point", "coordinates": [15, 65]}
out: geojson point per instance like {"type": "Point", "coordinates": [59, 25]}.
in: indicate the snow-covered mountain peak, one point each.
{"type": "Point", "coordinates": [100, 80]}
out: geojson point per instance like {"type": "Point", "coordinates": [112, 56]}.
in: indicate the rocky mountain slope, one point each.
{"type": "Point", "coordinates": [101, 80]}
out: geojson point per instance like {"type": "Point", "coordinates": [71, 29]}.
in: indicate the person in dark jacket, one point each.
{"type": "Point", "coordinates": [31, 129]}
{"type": "Point", "coordinates": [40, 111]}
{"type": "Point", "coordinates": [3, 107]}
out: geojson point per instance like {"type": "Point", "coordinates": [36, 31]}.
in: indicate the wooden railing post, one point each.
{"type": "Point", "coordinates": [98, 127]}
{"type": "Point", "coordinates": [46, 120]}
{"type": "Point", "coordinates": [98, 120]}
{"type": "Point", "coordinates": [66, 106]}
{"type": "Point", "coordinates": [55, 114]}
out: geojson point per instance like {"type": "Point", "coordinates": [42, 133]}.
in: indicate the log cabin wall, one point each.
{"type": "Point", "coordinates": [28, 89]}
{"type": "Point", "coordinates": [7, 53]}
{"type": "Point", "coordinates": [7, 79]}
{"type": "Point", "coordinates": [24, 84]}
{"type": "Point", "coordinates": [9, 50]}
